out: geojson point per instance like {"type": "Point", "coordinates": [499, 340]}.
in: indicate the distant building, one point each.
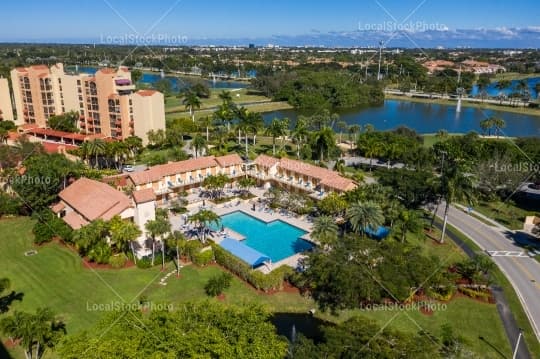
{"type": "Point", "coordinates": [6, 110]}
{"type": "Point", "coordinates": [107, 103]}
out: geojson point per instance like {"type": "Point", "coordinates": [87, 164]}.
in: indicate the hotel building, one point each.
{"type": "Point", "coordinates": [107, 103]}
{"type": "Point", "coordinates": [6, 110]}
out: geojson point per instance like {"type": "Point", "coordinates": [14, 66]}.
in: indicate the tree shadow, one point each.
{"type": "Point", "coordinates": [493, 347]}
{"type": "Point", "coordinates": [7, 300]}
{"type": "Point", "coordinates": [3, 352]}
{"type": "Point", "coordinates": [523, 239]}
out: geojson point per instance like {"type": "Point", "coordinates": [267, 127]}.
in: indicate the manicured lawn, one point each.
{"type": "Point", "coordinates": [431, 138]}
{"type": "Point", "coordinates": [56, 278]}
{"type": "Point", "coordinates": [505, 213]}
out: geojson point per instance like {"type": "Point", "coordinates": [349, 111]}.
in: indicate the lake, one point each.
{"type": "Point", "coordinates": [177, 82]}
{"type": "Point", "coordinates": [428, 118]}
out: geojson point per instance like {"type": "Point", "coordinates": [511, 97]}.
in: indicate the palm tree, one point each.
{"type": "Point", "coordinates": [134, 145]}
{"type": "Point", "coordinates": [354, 130]}
{"type": "Point", "coordinates": [408, 221]}
{"type": "Point", "coordinates": [191, 102]}
{"type": "Point", "coordinates": [324, 142]}
{"type": "Point", "coordinates": [498, 124]}
{"type": "Point", "coordinates": [371, 148]}
{"type": "Point", "coordinates": [198, 144]}
{"type": "Point", "coordinates": [96, 148]}
{"type": "Point", "coordinates": [206, 122]}
{"type": "Point", "coordinates": [255, 123]}
{"type": "Point", "coordinates": [36, 332]}
{"type": "Point", "coordinates": [277, 128]}
{"type": "Point", "coordinates": [203, 219]}
{"type": "Point", "coordinates": [157, 228]}
{"type": "Point", "coordinates": [442, 135]}
{"type": "Point", "coordinates": [299, 134]}
{"type": "Point", "coordinates": [4, 135]}
{"type": "Point", "coordinates": [456, 185]}
{"type": "Point", "coordinates": [243, 125]}
{"type": "Point", "coordinates": [123, 233]}
{"type": "Point", "coordinates": [486, 125]}
{"type": "Point", "coordinates": [365, 215]}
{"type": "Point", "coordinates": [325, 229]}
{"type": "Point", "coordinates": [342, 127]}
{"type": "Point", "coordinates": [226, 96]}
{"type": "Point", "coordinates": [177, 240]}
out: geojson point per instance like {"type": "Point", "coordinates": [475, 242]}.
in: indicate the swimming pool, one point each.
{"type": "Point", "coordinates": [276, 239]}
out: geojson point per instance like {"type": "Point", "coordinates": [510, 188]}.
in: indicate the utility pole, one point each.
{"type": "Point", "coordinates": [380, 59]}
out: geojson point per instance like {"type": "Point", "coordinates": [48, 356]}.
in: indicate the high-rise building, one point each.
{"type": "Point", "coordinates": [6, 110]}
{"type": "Point", "coordinates": [107, 102]}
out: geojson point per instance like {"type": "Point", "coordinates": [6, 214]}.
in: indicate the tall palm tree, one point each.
{"type": "Point", "coordinates": [157, 228]}
{"type": "Point", "coordinates": [255, 123]}
{"type": "Point", "coordinates": [191, 102]}
{"type": "Point", "coordinates": [486, 125]}
{"type": "Point", "coordinates": [324, 141]}
{"type": "Point", "coordinates": [243, 125]}
{"type": "Point", "coordinates": [123, 233]}
{"type": "Point", "coordinates": [456, 185]}
{"type": "Point", "coordinates": [206, 122]}
{"type": "Point", "coordinates": [365, 215]}
{"type": "Point", "coordinates": [354, 130]}
{"type": "Point", "coordinates": [226, 96]}
{"type": "Point", "coordinates": [202, 220]}
{"type": "Point", "coordinates": [371, 148]}
{"type": "Point", "coordinates": [325, 229]}
{"type": "Point", "coordinates": [134, 145]}
{"type": "Point", "coordinates": [96, 148]}
{"type": "Point", "coordinates": [342, 127]}
{"type": "Point", "coordinates": [277, 128]}
{"type": "Point", "coordinates": [198, 144]}
{"type": "Point", "coordinates": [177, 240]}
{"type": "Point", "coordinates": [300, 133]}
{"type": "Point", "coordinates": [498, 124]}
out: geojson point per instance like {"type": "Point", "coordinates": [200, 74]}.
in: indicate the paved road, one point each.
{"type": "Point", "coordinates": [523, 272]}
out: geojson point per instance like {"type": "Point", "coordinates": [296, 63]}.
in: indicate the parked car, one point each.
{"type": "Point", "coordinates": [128, 168]}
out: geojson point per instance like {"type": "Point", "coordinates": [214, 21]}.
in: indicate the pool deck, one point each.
{"type": "Point", "coordinates": [261, 213]}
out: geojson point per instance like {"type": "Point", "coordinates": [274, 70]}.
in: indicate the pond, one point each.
{"type": "Point", "coordinates": [428, 118]}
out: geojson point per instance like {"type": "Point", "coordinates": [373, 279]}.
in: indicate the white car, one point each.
{"type": "Point", "coordinates": [128, 168]}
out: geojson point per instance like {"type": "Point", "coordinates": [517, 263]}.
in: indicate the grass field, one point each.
{"type": "Point", "coordinates": [512, 76]}
{"type": "Point", "coordinates": [56, 278]}
{"type": "Point", "coordinates": [505, 213]}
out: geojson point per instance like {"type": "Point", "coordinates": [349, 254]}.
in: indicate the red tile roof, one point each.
{"type": "Point", "coordinates": [93, 199]}
{"type": "Point", "coordinates": [146, 93]}
{"type": "Point", "coordinates": [266, 161]}
{"type": "Point", "coordinates": [58, 207]}
{"type": "Point", "coordinates": [156, 173]}
{"type": "Point", "coordinates": [229, 160]}
{"type": "Point", "coordinates": [53, 147]}
{"type": "Point", "coordinates": [144, 195]}
{"type": "Point", "coordinates": [74, 220]}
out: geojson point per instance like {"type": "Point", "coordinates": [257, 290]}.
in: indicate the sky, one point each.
{"type": "Point", "coordinates": [99, 20]}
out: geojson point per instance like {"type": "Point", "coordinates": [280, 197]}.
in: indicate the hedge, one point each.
{"type": "Point", "coordinates": [203, 258]}
{"type": "Point", "coordinates": [475, 294]}
{"type": "Point", "coordinates": [271, 281]}
{"type": "Point", "coordinates": [118, 260]}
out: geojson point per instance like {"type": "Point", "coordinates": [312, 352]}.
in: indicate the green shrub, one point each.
{"type": "Point", "coordinates": [100, 253]}
{"type": "Point", "coordinates": [475, 293]}
{"type": "Point", "coordinates": [118, 260]}
{"type": "Point", "coordinates": [144, 263]}
{"type": "Point", "coordinates": [192, 248]}
{"type": "Point", "coordinates": [217, 284]}
{"type": "Point", "coordinates": [271, 281]}
{"type": "Point", "coordinates": [203, 258]}
{"type": "Point", "coordinates": [48, 226]}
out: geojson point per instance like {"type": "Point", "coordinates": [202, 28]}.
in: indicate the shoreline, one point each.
{"type": "Point", "coordinates": [483, 106]}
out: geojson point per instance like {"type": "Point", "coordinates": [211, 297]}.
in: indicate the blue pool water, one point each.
{"type": "Point", "coordinates": [276, 239]}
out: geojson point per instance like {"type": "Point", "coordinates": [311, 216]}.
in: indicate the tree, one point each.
{"type": "Point", "coordinates": [370, 147]}
{"type": "Point", "coordinates": [299, 134]}
{"type": "Point", "coordinates": [177, 240]}
{"type": "Point", "coordinates": [325, 229]}
{"type": "Point", "coordinates": [202, 220]}
{"type": "Point", "coordinates": [456, 185]}
{"type": "Point", "coordinates": [164, 86]}
{"type": "Point", "coordinates": [4, 135]}
{"type": "Point", "coordinates": [365, 215]}
{"type": "Point", "coordinates": [123, 233]}
{"type": "Point", "coordinates": [408, 221]}
{"type": "Point", "coordinates": [136, 75]}
{"type": "Point", "coordinates": [198, 143]}
{"type": "Point", "coordinates": [245, 183]}
{"type": "Point", "coordinates": [206, 122]}
{"type": "Point", "coordinates": [486, 125]}
{"type": "Point", "coordinates": [96, 148]}
{"type": "Point", "coordinates": [157, 228]}
{"type": "Point", "coordinates": [66, 122]}
{"type": "Point", "coordinates": [43, 178]}
{"type": "Point", "coordinates": [7, 299]}
{"type": "Point", "coordinates": [277, 128]}
{"type": "Point", "coordinates": [191, 102]}
{"type": "Point", "coordinates": [332, 205]}
{"type": "Point", "coordinates": [323, 142]}
{"type": "Point", "coordinates": [36, 332]}
{"type": "Point", "coordinates": [498, 124]}
{"type": "Point", "coordinates": [206, 329]}
{"type": "Point", "coordinates": [215, 184]}
{"type": "Point", "coordinates": [217, 284]}
{"type": "Point", "coordinates": [342, 127]}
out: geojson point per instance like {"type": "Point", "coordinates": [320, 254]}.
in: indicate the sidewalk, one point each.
{"type": "Point", "coordinates": [474, 213]}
